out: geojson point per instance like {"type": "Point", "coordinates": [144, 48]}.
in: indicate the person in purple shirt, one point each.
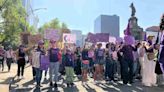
{"type": "Point", "coordinates": [127, 63]}
{"type": "Point", "coordinates": [54, 58]}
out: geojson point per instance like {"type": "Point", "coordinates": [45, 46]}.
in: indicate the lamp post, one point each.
{"type": "Point", "coordinates": [32, 11]}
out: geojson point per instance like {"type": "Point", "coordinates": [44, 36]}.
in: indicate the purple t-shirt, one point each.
{"type": "Point", "coordinates": [127, 52]}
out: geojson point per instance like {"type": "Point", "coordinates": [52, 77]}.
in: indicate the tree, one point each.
{"type": "Point", "coordinates": [55, 24]}
{"type": "Point", "coordinates": [12, 22]}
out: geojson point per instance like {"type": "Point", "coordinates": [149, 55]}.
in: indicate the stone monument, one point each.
{"type": "Point", "coordinates": [136, 30]}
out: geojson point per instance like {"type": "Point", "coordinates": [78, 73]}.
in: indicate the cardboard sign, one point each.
{"type": "Point", "coordinates": [34, 39]}
{"type": "Point", "coordinates": [24, 37]}
{"type": "Point", "coordinates": [112, 39]}
{"type": "Point", "coordinates": [52, 34]}
{"type": "Point", "coordinates": [69, 38]}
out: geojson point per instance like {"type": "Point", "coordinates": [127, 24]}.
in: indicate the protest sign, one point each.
{"type": "Point", "coordinates": [52, 34]}
{"type": "Point", "coordinates": [98, 37]}
{"type": "Point", "coordinates": [34, 39]}
{"type": "Point", "coordinates": [112, 39]}
{"type": "Point", "coordinates": [24, 37]}
{"type": "Point", "coordinates": [69, 38]}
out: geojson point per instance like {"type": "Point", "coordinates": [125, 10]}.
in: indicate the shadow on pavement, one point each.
{"type": "Point", "coordinates": [28, 83]}
{"type": "Point", "coordinates": [6, 81]}
{"type": "Point", "coordinates": [88, 88]}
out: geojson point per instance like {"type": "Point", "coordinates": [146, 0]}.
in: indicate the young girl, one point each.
{"type": "Point", "coordinates": [69, 67]}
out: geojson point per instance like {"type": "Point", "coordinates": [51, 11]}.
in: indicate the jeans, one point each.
{"type": "Point", "coordinates": [54, 70]}
{"type": "Point", "coordinates": [109, 69]}
{"type": "Point", "coordinates": [127, 70]}
{"type": "Point", "coordinates": [38, 72]}
{"type": "Point", "coordinates": [136, 67]}
{"type": "Point", "coordinates": [69, 74]}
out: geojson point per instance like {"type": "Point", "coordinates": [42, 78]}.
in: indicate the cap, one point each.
{"type": "Point", "coordinates": [40, 42]}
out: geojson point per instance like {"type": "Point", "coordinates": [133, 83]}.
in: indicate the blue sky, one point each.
{"type": "Point", "coordinates": [80, 14]}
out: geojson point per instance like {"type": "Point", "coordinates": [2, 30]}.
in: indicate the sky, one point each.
{"type": "Point", "coordinates": [80, 14]}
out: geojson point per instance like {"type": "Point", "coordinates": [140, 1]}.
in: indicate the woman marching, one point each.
{"type": "Point", "coordinates": [21, 60]}
{"type": "Point", "coordinates": [91, 60]}
{"type": "Point", "coordinates": [149, 76]}
{"type": "Point", "coordinates": [69, 67]}
{"type": "Point", "coordinates": [55, 58]}
{"type": "Point", "coordinates": [99, 62]}
{"type": "Point", "coordinates": [85, 64]}
{"type": "Point", "coordinates": [78, 61]}
{"type": "Point", "coordinates": [36, 60]}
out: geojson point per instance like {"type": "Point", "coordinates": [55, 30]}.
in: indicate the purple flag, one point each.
{"type": "Point", "coordinates": [127, 31]}
{"type": "Point", "coordinates": [145, 37]}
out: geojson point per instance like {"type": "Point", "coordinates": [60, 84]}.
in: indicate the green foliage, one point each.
{"type": "Point", "coordinates": [12, 21]}
{"type": "Point", "coordinates": [55, 24]}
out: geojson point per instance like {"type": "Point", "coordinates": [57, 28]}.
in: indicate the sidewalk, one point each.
{"type": "Point", "coordinates": [28, 85]}
{"type": "Point", "coordinates": [6, 77]}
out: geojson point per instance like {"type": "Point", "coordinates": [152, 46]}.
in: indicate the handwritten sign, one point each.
{"type": "Point", "coordinates": [69, 38]}
{"type": "Point", "coordinates": [34, 39]}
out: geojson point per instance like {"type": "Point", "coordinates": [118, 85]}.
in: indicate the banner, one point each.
{"type": "Point", "coordinates": [34, 39]}
{"type": "Point", "coordinates": [98, 37]}
{"type": "Point", "coordinates": [52, 34]}
{"type": "Point", "coordinates": [69, 38]}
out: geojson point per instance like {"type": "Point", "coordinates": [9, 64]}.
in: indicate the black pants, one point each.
{"type": "Point", "coordinates": [78, 67]}
{"type": "Point", "coordinates": [127, 70]}
{"type": "Point", "coordinates": [33, 72]}
{"type": "Point", "coordinates": [9, 61]}
{"type": "Point", "coordinates": [21, 65]}
{"type": "Point", "coordinates": [2, 64]}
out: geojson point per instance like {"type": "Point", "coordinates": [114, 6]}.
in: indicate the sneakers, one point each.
{"type": "Point", "coordinates": [51, 84]}
{"type": "Point", "coordinates": [55, 85]}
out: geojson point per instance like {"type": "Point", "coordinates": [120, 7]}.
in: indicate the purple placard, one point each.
{"type": "Point", "coordinates": [44, 63]}
{"type": "Point", "coordinates": [52, 34]}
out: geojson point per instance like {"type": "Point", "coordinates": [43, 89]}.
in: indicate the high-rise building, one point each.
{"type": "Point", "coordinates": [79, 39]}
{"type": "Point", "coordinates": [107, 24]}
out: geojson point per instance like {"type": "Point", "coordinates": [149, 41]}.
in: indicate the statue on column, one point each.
{"type": "Point", "coordinates": [133, 10]}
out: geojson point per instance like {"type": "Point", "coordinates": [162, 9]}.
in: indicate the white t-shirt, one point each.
{"type": "Point", "coordinates": [9, 54]}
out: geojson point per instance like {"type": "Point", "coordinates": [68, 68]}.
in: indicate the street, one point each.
{"type": "Point", "coordinates": [7, 84]}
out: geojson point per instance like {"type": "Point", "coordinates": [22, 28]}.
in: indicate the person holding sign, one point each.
{"type": "Point", "coordinates": [36, 61]}
{"type": "Point", "coordinates": [54, 57]}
